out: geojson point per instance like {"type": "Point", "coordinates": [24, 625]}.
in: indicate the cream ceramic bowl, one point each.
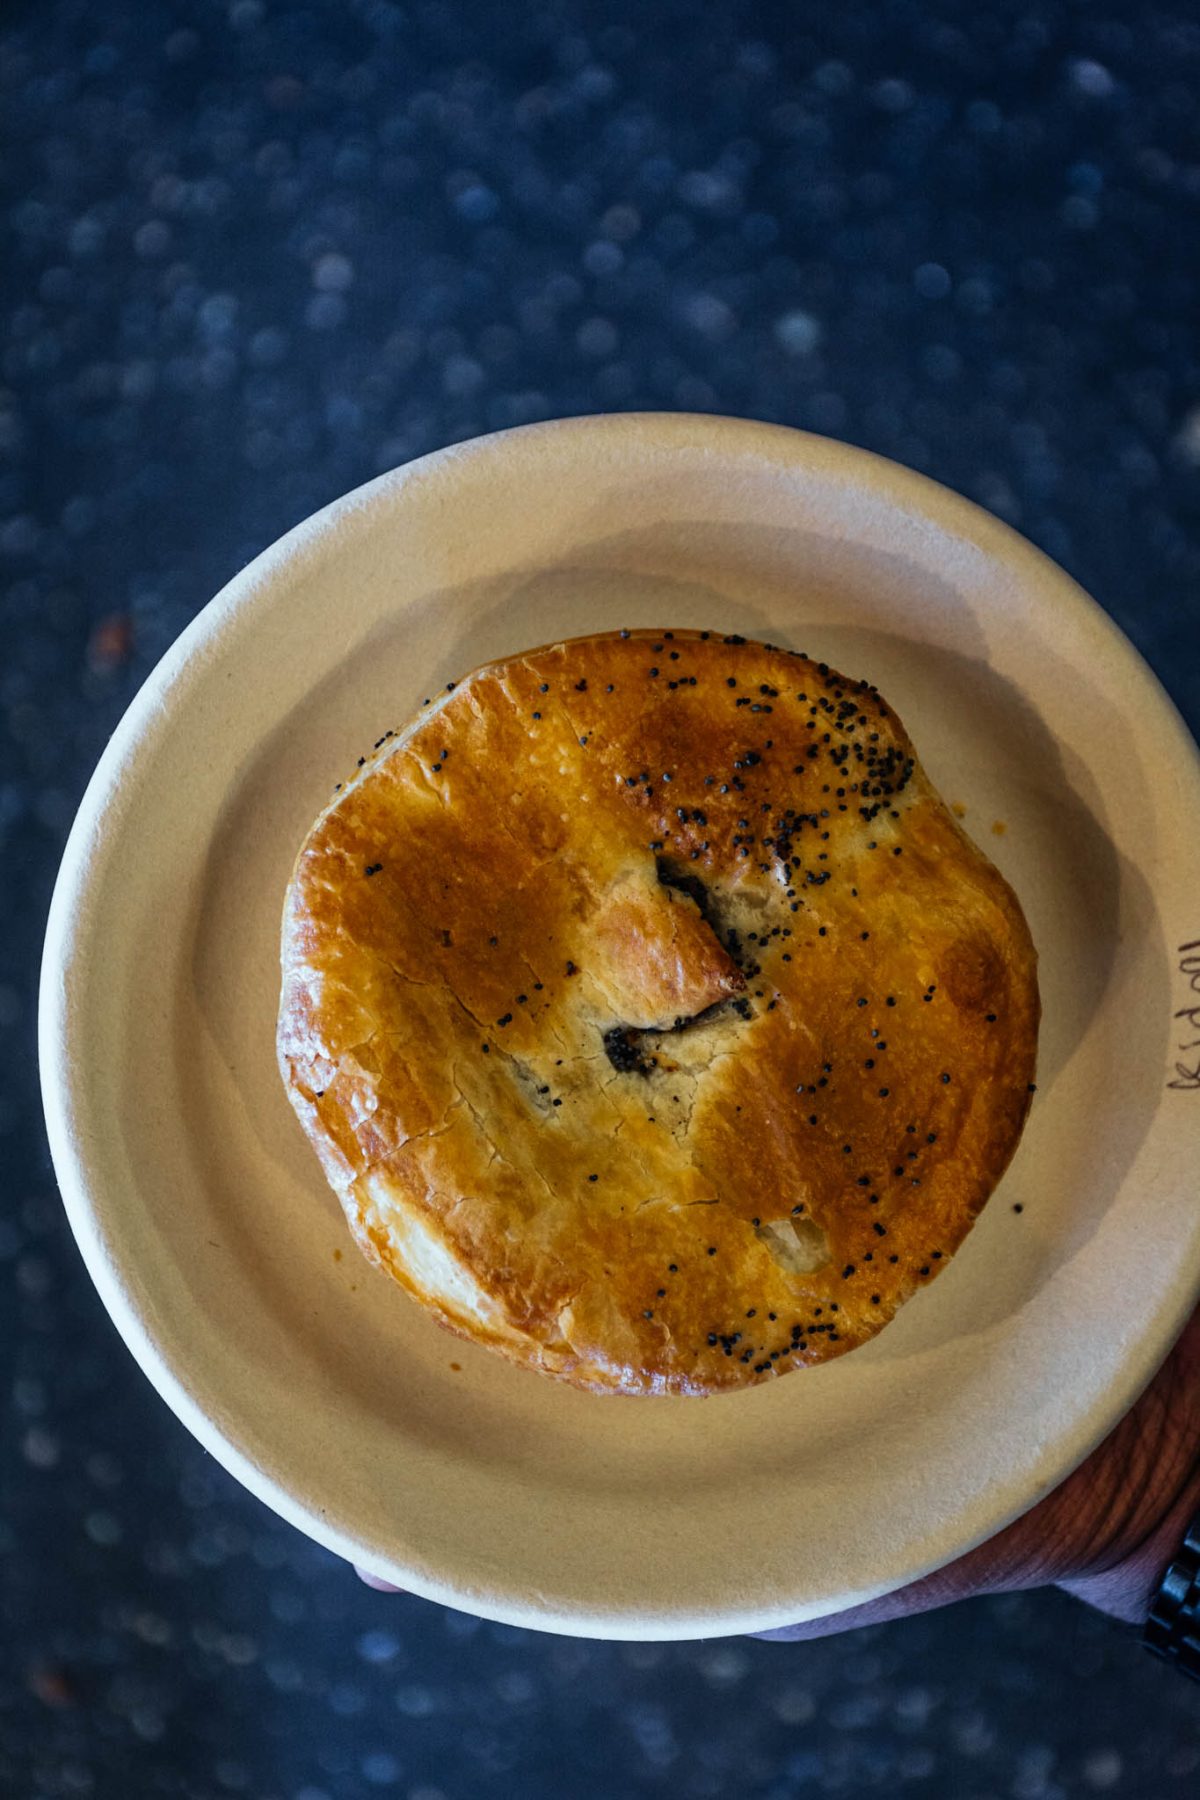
{"type": "Point", "coordinates": [201, 1211]}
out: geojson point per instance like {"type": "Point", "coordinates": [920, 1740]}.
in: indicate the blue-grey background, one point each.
{"type": "Point", "coordinates": [252, 254]}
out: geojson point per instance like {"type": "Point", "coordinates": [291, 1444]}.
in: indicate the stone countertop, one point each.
{"type": "Point", "coordinates": [255, 253]}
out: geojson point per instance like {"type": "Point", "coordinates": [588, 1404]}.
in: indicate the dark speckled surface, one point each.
{"type": "Point", "coordinates": [251, 255]}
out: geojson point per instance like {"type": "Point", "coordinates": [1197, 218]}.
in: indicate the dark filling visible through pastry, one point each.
{"type": "Point", "coordinates": [629, 1048]}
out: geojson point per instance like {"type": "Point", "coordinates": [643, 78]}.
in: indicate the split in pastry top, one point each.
{"type": "Point", "coordinates": [652, 1016]}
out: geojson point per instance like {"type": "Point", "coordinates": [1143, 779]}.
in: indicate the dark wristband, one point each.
{"type": "Point", "coordinates": [1173, 1629]}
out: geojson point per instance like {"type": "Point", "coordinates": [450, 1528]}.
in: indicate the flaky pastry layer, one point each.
{"type": "Point", "coordinates": [653, 1018]}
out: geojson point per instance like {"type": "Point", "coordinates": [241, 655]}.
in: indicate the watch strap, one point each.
{"type": "Point", "coordinates": [1173, 1629]}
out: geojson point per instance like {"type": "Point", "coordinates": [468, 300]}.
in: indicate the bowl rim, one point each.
{"type": "Point", "coordinates": [62, 1044]}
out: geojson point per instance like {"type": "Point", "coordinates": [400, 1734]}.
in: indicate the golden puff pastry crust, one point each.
{"type": "Point", "coordinates": [651, 1015]}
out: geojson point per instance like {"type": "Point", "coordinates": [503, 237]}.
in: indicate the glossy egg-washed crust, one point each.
{"type": "Point", "coordinates": [650, 1013]}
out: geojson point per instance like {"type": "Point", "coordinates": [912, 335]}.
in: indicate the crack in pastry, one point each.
{"type": "Point", "coordinates": [654, 1020]}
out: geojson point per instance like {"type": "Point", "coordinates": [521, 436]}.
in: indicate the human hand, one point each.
{"type": "Point", "coordinates": [1106, 1534]}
